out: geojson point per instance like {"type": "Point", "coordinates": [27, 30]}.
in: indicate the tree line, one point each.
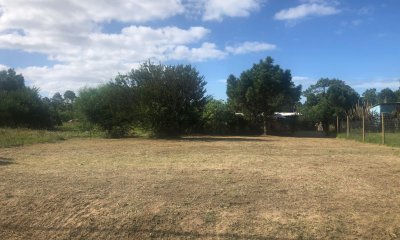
{"type": "Point", "coordinates": [166, 100]}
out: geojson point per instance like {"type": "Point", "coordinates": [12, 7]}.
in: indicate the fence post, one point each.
{"type": "Point", "coordinates": [383, 128]}
{"type": "Point", "coordinates": [337, 125]}
{"type": "Point", "coordinates": [348, 127]}
{"type": "Point", "coordinates": [363, 128]}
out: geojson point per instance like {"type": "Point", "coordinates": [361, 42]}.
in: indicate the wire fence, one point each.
{"type": "Point", "coordinates": [383, 130]}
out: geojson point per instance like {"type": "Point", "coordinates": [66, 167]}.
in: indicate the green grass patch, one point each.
{"type": "Point", "coordinates": [10, 137]}
{"type": "Point", "coordinates": [391, 139]}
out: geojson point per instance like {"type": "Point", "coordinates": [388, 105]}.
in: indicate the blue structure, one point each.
{"type": "Point", "coordinates": [387, 108]}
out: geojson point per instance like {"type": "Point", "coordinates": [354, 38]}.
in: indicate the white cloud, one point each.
{"type": "Point", "coordinates": [60, 13]}
{"type": "Point", "coordinates": [313, 8]}
{"type": "Point", "coordinates": [215, 10]}
{"type": "Point", "coordinates": [378, 83]}
{"type": "Point", "coordinates": [304, 81]}
{"type": "Point", "coordinates": [130, 10]}
{"type": "Point", "coordinates": [366, 10]}
{"type": "Point", "coordinates": [205, 52]}
{"type": "Point", "coordinates": [72, 76]}
{"type": "Point", "coordinates": [70, 32]}
{"type": "Point", "coordinates": [223, 81]}
{"type": "Point", "coordinates": [356, 22]}
{"type": "Point", "coordinates": [248, 47]}
{"type": "Point", "coordinates": [3, 67]}
{"type": "Point", "coordinates": [101, 56]}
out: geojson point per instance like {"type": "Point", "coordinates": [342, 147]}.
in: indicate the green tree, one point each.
{"type": "Point", "coordinates": [398, 94]}
{"type": "Point", "coordinates": [327, 99]}
{"type": "Point", "coordinates": [69, 96]}
{"type": "Point", "coordinates": [11, 81]}
{"type": "Point", "coordinates": [370, 97]}
{"type": "Point", "coordinates": [109, 106]}
{"type": "Point", "coordinates": [63, 105]}
{"type": "Point", "coordinates": [21, 106]}
{"type": "Point", "coordinates": [68, 112]}
{"type": "Point", "coordinates": [171, 98]}
{"type": "Point", "coordinates": [218, 117]}
{"type": "Point", "coordinates": [262, 90]}
{"type": "Point", "coordinates": [165, 100]}
{"type": "Point", "coordinates": [57, 99]}
{"type": "Point", "coordinates": [387, 95]}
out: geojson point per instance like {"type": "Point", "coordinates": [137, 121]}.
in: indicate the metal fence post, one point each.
{"type": "Point", "coordinates": [348, 127]}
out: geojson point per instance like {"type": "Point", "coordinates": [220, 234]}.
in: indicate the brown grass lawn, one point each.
{"type": "Point", "coordinates": [200, 188]}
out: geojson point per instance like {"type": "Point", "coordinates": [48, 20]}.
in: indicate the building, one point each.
{"type": "Point", "coordinates": [386, 108]}
{"type": "Point", "coordinates": [286, 114]}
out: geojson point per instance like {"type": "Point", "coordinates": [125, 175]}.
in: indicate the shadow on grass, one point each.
{"type": "Point", "coordinates": [134, 230]}
{"type": "Point", "coordinates": [224, 139]}
{"type": "Point", "coordinates": [306, 134]}
{"type": "Point", "coordinates": [6, 161]}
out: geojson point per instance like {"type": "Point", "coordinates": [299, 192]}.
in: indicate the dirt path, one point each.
{"type": "Point", "coordinates": [200, 188]}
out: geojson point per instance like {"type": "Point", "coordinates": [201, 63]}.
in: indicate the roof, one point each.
{"type": "Point", "coordinates": [286, 114]}
{"type": "Point", "coordinates": [385, 104]}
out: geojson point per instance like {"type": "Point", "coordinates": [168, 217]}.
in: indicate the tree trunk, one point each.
{"type": "Point", "coordinates": [325, 125]}
{"type": "Point", "coordinates": [264, 124]}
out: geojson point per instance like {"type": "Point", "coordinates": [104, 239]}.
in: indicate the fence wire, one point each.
{"type": "Point", "coordinates": [374, 130]}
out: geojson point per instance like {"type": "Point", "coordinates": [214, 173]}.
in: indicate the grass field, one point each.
{"type": "Point", "coordinates": [11, 137]}
{"type": "Point", "coordinates": [391, 139]}
{"type": "Point", "coordinates": [200, 188]}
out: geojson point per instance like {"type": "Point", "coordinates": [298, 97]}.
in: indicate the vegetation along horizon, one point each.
{"type": "Point", "coordinates": [150, 155]}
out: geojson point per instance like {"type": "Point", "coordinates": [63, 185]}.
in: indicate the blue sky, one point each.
{"type": "Point", "coordinates": [61, 45]}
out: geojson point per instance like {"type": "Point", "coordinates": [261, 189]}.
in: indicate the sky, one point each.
{"type": "Point", "coordinates": [71, 44]}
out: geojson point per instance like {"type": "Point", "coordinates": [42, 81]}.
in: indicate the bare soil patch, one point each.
{"type": "Point", "coordinates": [200, 188]}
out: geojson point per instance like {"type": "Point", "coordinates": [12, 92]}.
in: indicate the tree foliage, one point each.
{"type": "Point", "coordinates": [109, 106]}
{"type": "Point", "coordinates": [370, 97]}
{"type": "Point", "coordinates": [262, 90]}
{"type": "Point", "coordinates": [397, 92]}
{"type": "Point", "coordinates": [21, 106]}
{"type": "Point", "coordinates": [11, 81]}
{"type": "Point", "coordinates": [63, 105]}
{"type": "Point", "coordinates": [171, 98]}
{"type": "Point", "coordinates": [165, 100]}
{"type": "Point", "coordinates": [327, 99]}
{"type": "Point", "coordinates": [218, 117]}
{"type": "Point", "coordinates": [387, 95]}
{"type": "Point", "coordinates": [69, 96]}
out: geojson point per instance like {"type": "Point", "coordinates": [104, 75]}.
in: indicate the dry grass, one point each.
{"type": "Point", "coordinates": [201, 187]}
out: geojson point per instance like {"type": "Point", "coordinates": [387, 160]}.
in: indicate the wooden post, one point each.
{"type": "Point", "coordinates": [348, 127]}
{"type": "Point", "coordinates": [383, 128]}
{"type": "Point", "coordinates": [363, 128]}
{"type": "Point", "coordinates": [337, 125]}
{"type": "Point", "coordinates": [264, 124]}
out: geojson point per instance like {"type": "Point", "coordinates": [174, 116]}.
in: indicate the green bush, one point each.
{"type": "Point", "coordinates": [21, 106]}
{"type": "Point", "coordinates": [218, 117]}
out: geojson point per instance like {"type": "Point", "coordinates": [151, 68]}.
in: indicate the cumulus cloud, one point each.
{"type": "Point", "coordinates": [100, 56]}
{"type": "Point", "coordinates": [206, 51]}
{"type": "Point", "coordinates": [304, 81]}
{"type": "Point", "coordinates": [222, 81]}
{"type": "Point", "coordinates": [379, 83]}
{"type": "Point", "coordinates": [310, 8]}
{"type": "Point", "coordinates": [215, 10]}
{"type": "Point", "coordinates": [366, 10]}
{"type": "Point", "coordinates": [72, 76]}
{"type": "Point", "coordinates": [248, 47]}
{"type": "Point", "coordinates": [3, 67]}
{"type": "Point", "coordinates": [70, 33]}
{"type": "Point", "coordinates": [44, 12]}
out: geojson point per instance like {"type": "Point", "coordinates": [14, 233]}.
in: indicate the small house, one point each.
{"type": "Point", "coordinates": [386, 108]}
